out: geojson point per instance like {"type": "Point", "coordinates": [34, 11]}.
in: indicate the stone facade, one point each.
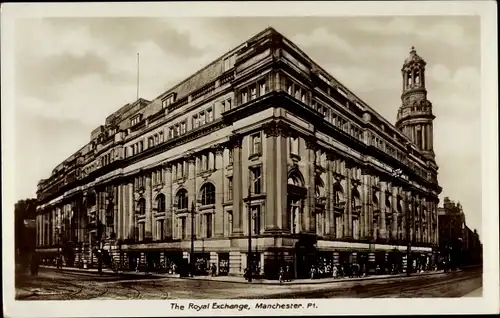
{"type": "Point", "coordinates": [261, 140]}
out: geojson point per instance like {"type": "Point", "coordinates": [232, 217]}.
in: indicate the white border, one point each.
{"type": "Point", "coordinates": [489, 303]}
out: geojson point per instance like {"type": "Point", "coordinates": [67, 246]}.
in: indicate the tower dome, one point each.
{"type": "Point", "coordinates": [415, 118]}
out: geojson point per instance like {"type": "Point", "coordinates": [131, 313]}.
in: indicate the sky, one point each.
{"type": "Point", "coordinates": [71, 73]}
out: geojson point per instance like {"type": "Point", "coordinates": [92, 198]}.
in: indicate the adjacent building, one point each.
{"type": "Point", "coordinates": [262, 141]}
{"type": "Point", "coordinates": [459, 245]}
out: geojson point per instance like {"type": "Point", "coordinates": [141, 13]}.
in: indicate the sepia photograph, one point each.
{"type": "Point", "coordinates": [249, 163]}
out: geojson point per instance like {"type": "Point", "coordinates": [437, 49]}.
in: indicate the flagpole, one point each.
{"type": "Point", "coordinates": [137, 95]}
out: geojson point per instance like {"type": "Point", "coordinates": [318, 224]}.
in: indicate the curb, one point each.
{"type": "Point", "coordinates": [310, 282]}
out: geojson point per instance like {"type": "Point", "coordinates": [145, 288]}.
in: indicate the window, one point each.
{"type": "Point", "coordinates": [161, 137]}
{"type": "Point", "coordinates": [298, 93]}
{"type": "Point", "coordinates": [262, 88]}
{"type": "Point", "coordinates": [160, 203]}
{"type": "Point", "coordinates": [210, 115]}
{"type": "Point", "coordinates": [183, 128]}
{"type": "Point", "coordinates": [253, 93]}
{"type": "Point", "coordinates": [227, 64]}
{"type": "Point", "coordinates": [228, 104]}
{"type": "Point", "coordinates": [150, 142]}
{"type": "Point", "coordinates": [160, 229]}
{"type": "Point", "coordinates": [180, 170]}
{"type": "Point", "coordinates": [141, 204]}
{"type": "Point", "coordinates": [163, 104]}
{"type": "Point", "coordinates": [169, 101]}
{"type": "Point", "coordinates": [202, 118]}
{"type": "Point", "coordinates": [182, 199]}
{"type": "Point", "coordinates": [196, 122]}
{"type": "Point", "coordinates": [256, 144]}
{"type": "Point", "coordinates": [256, 220]}
{"type": "Point", "coordinates": [183, 227]}
{"type": "Point", "coordinates": [135, 120]}
{"type": "Point", "coordinates": [141, 144]}
{"type": "Point", "coordinates": [294, 145]}
{"type": "Point", "coordinates": [171, 132]}
{"type": "Point", "coordinates": [244, 97]}
{"type": "Point", "coordinates": [230, 188]}
{"type": "Point", "coordinates": [177, 130]}
{"type": "Point", "coordinates": [208, 194]}
{"type": "Point", "coordinates": [256, 179]}
{"type": "Point", "coordinates": [208, 225]}
{"type": "Point", "coordinates": [142, 231]}
{"type": "Point", "coordinates": [289, 88]}
{"type": "Point", "coordinates": [204, 162]}
{"type": "Point", "coordinates": [229, 222]}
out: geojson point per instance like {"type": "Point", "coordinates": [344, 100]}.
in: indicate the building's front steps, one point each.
{"type": "Point", "coordinates": [239, 279]}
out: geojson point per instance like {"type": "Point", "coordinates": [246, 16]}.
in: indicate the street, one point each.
{"type": "Point", "coordinates": [52, 284]}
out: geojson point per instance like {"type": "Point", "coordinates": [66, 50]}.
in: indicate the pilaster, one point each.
{"type": "Point", "coordinates": [310, 176]}
{"type": "Point", "coordinates": [348, 217]}
{"type": "Point", "coordinates": [271, 180]}
{"type": "Point", "coordinates": [236, 143]}
{"type": "Point", "coordinates": [131, 210]}
{"type": "Point", "coordinates": [169, 220]}
{"type": "Point", "coordinates": [220, 190]}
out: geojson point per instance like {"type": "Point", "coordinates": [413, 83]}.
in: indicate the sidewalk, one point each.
{"type": "Point", "coordinates": [239, 279]}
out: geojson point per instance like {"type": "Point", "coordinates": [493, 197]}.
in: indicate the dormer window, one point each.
{"type": "Point", "coordinates": [135, 120]}
{"type": "Point", "coordinates": [169, 100]}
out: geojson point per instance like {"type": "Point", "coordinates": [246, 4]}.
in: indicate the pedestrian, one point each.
{"type": "Point", "coordinates": [214, 270]}
{"type": "Point", "coordinates": [288, 274]}
{"type": "Point", "coordinates": [313, 271]}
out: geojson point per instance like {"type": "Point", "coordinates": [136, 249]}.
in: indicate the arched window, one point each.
{"type": "Point", "coordinates": [388, 199]}
{"type": "Point", "coordinates": [338, 192]}
{"type": "Point", "coordinates": [207, 194]}
{"type": "Point", "coordinates": [160, 203]}
{"type": "Point", "coordinates": [182, 199]}
{"type": "Point", "coordinates": [141, 204]}
{"type": "Point", "coordinates": [398, 204]}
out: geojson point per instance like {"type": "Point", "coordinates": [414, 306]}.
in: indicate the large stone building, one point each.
{"type": "Point", "coordinates": [458, 244]}
{"type": "Point", "coordinates": [263, 140]}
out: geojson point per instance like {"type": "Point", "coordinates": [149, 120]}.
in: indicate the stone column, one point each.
{"type": "Point", "coordinates": [424, 142]}
{"type": "Point", "coordinates": [366, 197]}
{"type": "Point", "coordinates": [395, 214]}
{"type": "Point", "coordinates": [169, 220]}
{"type": "Point", "coordinates": [218, 218]}
{"type": "Point", "coordinates": [149, 205]}
{"type": "Point", "coordinates": [309, 178]}
{"type": "Point", "coordinates": [329, 199]}
{"type": "Point", "coordinates": [271, 215]}
{"type": "Point", "coordinates": [281, 207]}
{"type": "Point", "coordinates": [192, 195]}
{"type": "Point", "coordinates": [236, 141]}
{"type": "Point", "coordinates": [331, 195]}
{"type": "Point", "coordinates": [383, 229]}
{"type": "Point", "coordinates": [348, 191]}
{"type": "Point", "coordinates": [131, 210]}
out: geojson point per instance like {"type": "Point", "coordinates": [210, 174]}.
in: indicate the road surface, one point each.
{"type": "Point", "coordinates": [66, 285]}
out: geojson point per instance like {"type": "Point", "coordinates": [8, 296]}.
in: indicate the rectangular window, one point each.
{"type": "Point", "coordinates": [230, 222]}
{"type": "Point", "coordinates": [256, 144]}
{"type": "Point", "coordinates": [208, 225]}
{"type": "Point", "coordinates": [183, 228]}
{"type": "Point", "coordinates": [160, 229]}
{"type": "Point", "coordinates": [256, 179]}
{"type": "Point", "coordinates": [262, 88]}
{"type": "Point", "coordinates": [150, 142]}
{"type": "Point", "coordinates": [202, 118]}
{"type": "Point", "coordinates": [171, 132]}
{"type": "Point", "coordinates": [141, 145]}
{"type": "Point", "coordinates": [161, 137]}
{"type": "Point", "coordinates": [289, 87]}
{"type": "Point", "coordinates": [227, 64]}
{"type": "Point", "coordinates": [204, 162]}
{"type": "Point", "coordinates": [196, 122]}
{"type": "Point", "coordinates": [244, 97]}
{"type": "Point", "coordinates": [294, 146]}
{"type": "Point", "coordinates": [164, 104]}
{"type": "Point", "coordinates": [142, 231]}
{"type": "Point", "coordinates": [177, 130]}
{"type": "Point", "coordinates": [228, 104]}
{"type": "Point", "coordinates": [183, 128]}
{"type": "Point", "coordinates": [230, 188]}
{"type": "Point", "coordinates": [210, 115]}
{"type": "Point", "coordinates": [256, 220]}
{"type": "Point", "coordinates": [253, 93]}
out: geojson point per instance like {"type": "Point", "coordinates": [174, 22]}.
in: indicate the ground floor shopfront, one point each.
{"type": "Point", "coordinates": [297, 256]}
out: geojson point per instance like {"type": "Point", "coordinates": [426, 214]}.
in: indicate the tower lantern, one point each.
{"type": "Point", "coordinates": [415, 118]}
